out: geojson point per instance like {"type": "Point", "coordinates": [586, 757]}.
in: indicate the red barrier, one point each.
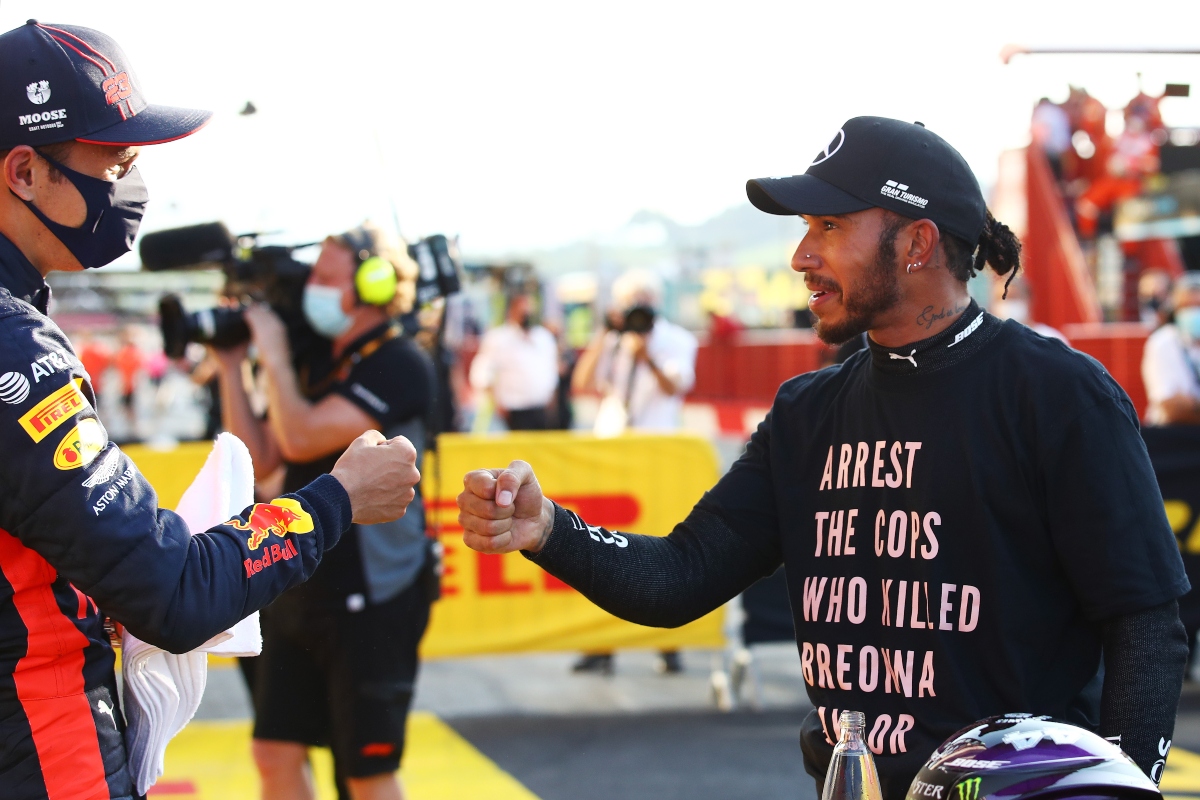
{"type": "Point", "coordinates": [1061, 288]}
{"type": "Point", "coordinates": [1118, 346]}
{"type": "Point", "coordinates": [752, 366]}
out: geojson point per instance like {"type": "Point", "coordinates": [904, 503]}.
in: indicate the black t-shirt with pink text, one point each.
{"type": "Point", "coordinates": [957, 517]}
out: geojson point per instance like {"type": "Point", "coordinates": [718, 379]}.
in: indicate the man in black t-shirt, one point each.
{"type": "Point", "coordinates": [339, 656]}
{"type": "Point", "coordinates": [965, 509]}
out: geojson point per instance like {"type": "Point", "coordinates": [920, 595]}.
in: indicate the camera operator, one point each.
{"type": "Point", "coordinates": [643, 366]}
{"type": "Point", "coordinates": [347, 642]}
{"type": "Point", "coordinates": [81, 534]}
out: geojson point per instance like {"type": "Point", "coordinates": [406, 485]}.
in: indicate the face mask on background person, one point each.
{"type": "Point", "coordinates": [323, 310]}
{"type": "Point", "coordinates": [114, 213]}
{"type": "Point", "coordinates": [1188, 322]}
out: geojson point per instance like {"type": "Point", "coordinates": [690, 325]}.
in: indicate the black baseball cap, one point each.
{"type": "Point", "coordinates": [885, 163]}
{"type": "Point", "coordinates": [64, 82]}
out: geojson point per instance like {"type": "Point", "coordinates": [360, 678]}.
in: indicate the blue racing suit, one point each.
{"type": "Point", "coordinates": [82, 538]}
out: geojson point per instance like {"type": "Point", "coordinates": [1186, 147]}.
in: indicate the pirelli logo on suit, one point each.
{"type": "Point", "coordinates": [41, 420]}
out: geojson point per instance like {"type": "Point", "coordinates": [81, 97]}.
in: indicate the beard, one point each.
{"type": "Point", "coordinates": [875, 292]}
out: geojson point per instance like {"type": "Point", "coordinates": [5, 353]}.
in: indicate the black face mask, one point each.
{"type": "Point", "coordinates": [114, 212]}
{"type": "Point", "coordinates": [526, 321]}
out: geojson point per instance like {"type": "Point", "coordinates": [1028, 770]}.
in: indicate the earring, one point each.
{"type": "Point", "coordinates": [909, 268]}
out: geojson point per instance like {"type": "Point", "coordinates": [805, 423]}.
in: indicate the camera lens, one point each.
{"type": "Point", "coordinates": [220, 327]}
{"type": "Point", "coordinates": [639, 319]}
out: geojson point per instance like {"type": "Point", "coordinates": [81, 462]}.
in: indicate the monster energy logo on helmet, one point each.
{"type": "Point", "coordinates": [969, 789]}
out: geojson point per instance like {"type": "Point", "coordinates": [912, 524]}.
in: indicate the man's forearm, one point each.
{"type": "Point", "coordinates": [287, 408]}
{"type": "Point", "coordinates": [238, 418]}
{"type": "Point", "coordinates": [584, 376]}
{"type": "Point", "coordinates": [665, 383]}
{"type": "Point", "coordinates": [1144, 658]}
{"type": "Point", "coordinates": [659, 581]}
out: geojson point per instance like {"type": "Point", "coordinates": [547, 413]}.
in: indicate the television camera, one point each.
{"type": "Point", "coordinates": [263, 273]}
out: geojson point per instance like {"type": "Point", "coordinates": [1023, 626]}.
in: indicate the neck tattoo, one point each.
{"type": "Point", "coordinates": [928, 316]}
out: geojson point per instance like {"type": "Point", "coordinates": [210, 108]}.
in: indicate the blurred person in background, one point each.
{"type": "Point", "coordinates": [346, 642]}
{"type": "Point", "coordinates": [1052, 132]}
{"type": "Point", "coordinates": [157, 365]}
{"type": "Point", "coordinates": [1154, 297]}
{"type": "Point", "coordinates": [643, 365]}
{"type": "Point", "coordinates": [517, 366]}
{"type": "Point", "coordinates": [130, 363]}
{"type": "Point", "coordinates": [96, 358]}
{"type": "Point", "coordinates": [1171, 360]}
{"type": "Point", "coordinates": [1090, 143]}
{"type": "Point", "coordinates": [561, 412]}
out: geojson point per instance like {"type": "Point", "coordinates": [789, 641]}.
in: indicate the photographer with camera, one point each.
{"type": "Point", "coordinates": [81, 534]}
{"type": "Point", "coordinates": [643, 365]}
{"type": "Point", "coordinates": [347, 641]}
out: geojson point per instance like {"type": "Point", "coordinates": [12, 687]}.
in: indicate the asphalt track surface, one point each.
{"type": "Point", "coordinates": [669, 756]}
{"type": "Point", "coordinates": [703, 754]}
{"type": "Point", "coordinates": [526, 728]}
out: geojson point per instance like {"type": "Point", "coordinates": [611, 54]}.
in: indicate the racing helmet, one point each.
{"type": "Point", "coordinates": [1020, 756]}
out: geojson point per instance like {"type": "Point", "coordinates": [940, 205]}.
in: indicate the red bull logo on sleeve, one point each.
{"type": "Point", "coordinates": [281, 516]}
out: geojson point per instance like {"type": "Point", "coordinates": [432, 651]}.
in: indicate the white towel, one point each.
{"type": "Point", "coordinates": [163, 690]}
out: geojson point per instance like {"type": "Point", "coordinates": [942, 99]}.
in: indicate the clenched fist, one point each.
{"type": "Point", "coordinates": [379, 475]}
{"type": "Point", "coordinates": [502, 510]}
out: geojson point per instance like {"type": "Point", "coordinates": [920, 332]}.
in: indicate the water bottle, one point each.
{"type": "Point", "coordinates": [852, 774]}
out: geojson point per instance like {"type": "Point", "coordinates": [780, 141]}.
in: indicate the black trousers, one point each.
{"type": "Point", "coordinates": [528, 419]}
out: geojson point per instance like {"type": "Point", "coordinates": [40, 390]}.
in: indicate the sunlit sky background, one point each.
{"type": "Point", "coordinates": [523, 125]}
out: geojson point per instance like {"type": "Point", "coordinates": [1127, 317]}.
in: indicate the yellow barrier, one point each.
{"type": "Point", "coordinates": [170, 472]}
{"type": "Point", "coordinates": [639, 483]}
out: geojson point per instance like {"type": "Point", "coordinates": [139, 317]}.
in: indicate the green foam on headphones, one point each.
{"type": "Point", "coordinates": [376, 281]}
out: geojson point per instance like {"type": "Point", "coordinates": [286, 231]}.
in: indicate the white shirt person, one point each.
{"type": "Point", "coordinates": [518, 364]}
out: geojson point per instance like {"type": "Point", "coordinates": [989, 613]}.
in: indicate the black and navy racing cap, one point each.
{"type": "Point", "coordinates": [64, 82]}
{"type": "Point", "coordinates": [885, 163]}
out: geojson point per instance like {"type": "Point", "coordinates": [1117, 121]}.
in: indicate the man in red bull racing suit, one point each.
{"type": "Point", "coordinates": [81, 534]}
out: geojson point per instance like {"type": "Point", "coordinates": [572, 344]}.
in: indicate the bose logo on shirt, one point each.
{"type": "Point", "coordinates": [967, 331]}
